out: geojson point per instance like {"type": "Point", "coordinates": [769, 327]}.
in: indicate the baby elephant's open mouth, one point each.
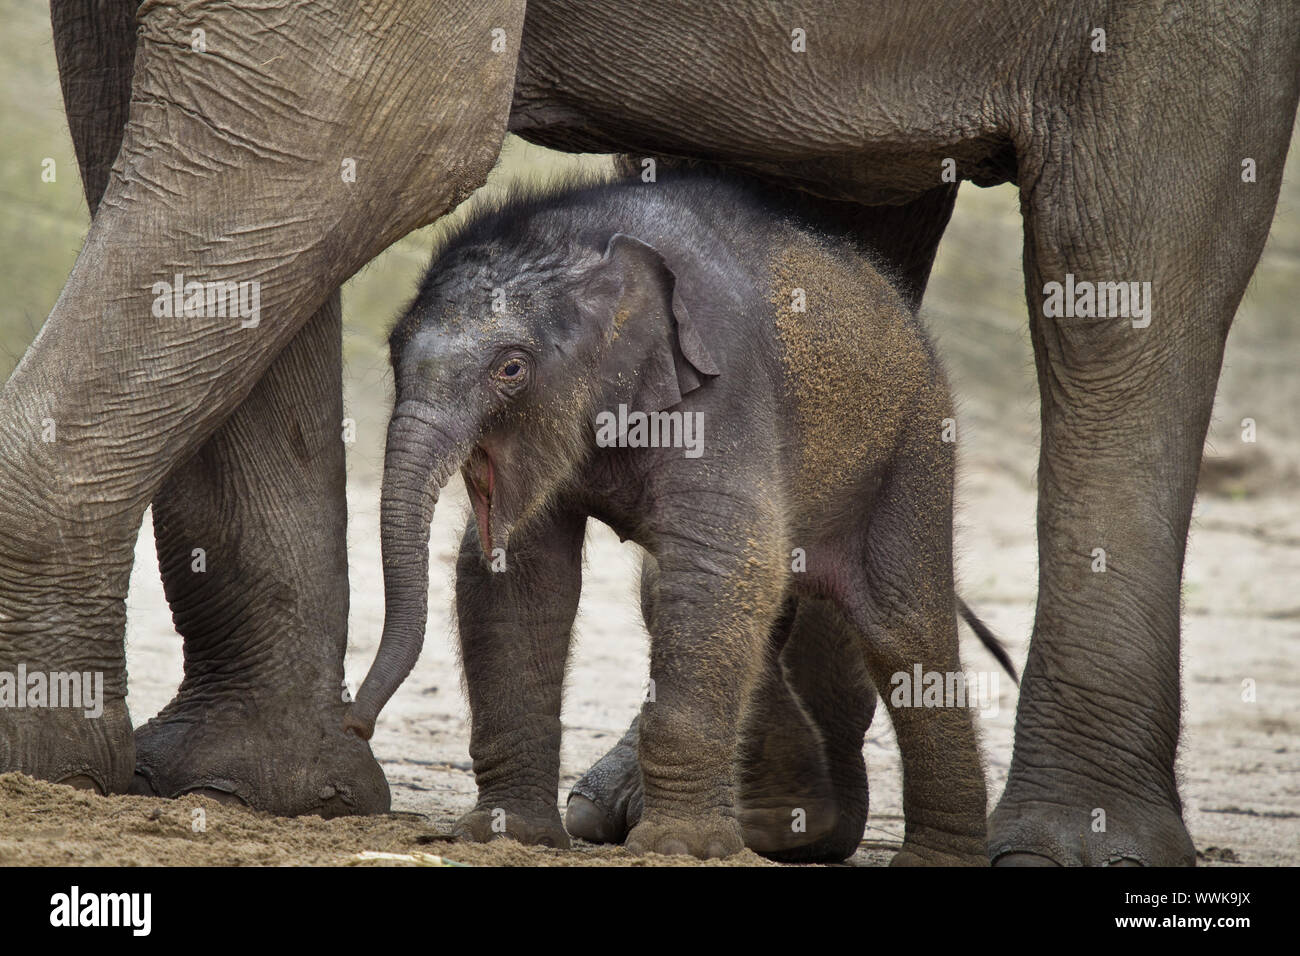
{"type": "Point", "coordinates": [480, 478]}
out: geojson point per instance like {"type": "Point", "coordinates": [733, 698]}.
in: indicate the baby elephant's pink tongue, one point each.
{"type": "Point", "coordinates": [482, 480]}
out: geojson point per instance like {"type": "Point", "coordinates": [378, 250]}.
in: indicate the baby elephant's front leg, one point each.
{"type": "Point", "coordinates": [708, 626]}
{"type": "Point", "coordinates": [515, 616]}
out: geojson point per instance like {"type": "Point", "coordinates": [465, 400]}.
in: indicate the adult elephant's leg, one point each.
{"type": "Point", "coordinates": [266, 620]}
{"type": "Point", "coordinates": [252, 542]}
{"type": "Point", "coordinates": [236, 166]}
{"type": "Point", "coordinates": [1125, 407]}
{"type": "Point", "coordinates": [94, 45]}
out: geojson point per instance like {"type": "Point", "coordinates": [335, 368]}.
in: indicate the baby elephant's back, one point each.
{"type": "Point", "coordinates": [856, 364]}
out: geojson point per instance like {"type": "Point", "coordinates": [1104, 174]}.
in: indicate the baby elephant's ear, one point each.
{"type": "Point", "coordinates": [638, 283]}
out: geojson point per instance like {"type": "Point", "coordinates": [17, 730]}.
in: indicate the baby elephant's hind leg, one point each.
{"type": "Point", "coordinates": [802, 782]}
{"type": "Point", "coordinates": [820, 694]}
{"type": "Point", "coordinates": [905, 607]}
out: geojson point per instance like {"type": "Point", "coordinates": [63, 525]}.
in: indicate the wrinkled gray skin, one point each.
{"type": "Point", "coordinates": [228, 168]}
{"type": "Point", "coordinates": [678, 295]}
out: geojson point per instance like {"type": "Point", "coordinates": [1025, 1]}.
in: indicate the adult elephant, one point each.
{"type": "Point", "coordinates": [1126, 129]}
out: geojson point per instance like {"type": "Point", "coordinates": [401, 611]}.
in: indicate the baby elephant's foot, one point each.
{"type": "Point", "coordinates": [706, 837]}
{"type": "Point", "coordinates": [797, 808]}
{"type": "Point", "coordinates": [535, 826]}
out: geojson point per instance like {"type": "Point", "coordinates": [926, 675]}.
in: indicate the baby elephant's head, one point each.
{"type": "Point", "coordinates": [501, 365]}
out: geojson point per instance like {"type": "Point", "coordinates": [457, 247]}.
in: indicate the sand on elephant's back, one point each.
{"type": "Point", "coordinates": [46, 824]}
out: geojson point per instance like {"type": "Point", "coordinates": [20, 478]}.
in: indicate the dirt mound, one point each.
{"type": "Point", "coordinates": [45, 824]}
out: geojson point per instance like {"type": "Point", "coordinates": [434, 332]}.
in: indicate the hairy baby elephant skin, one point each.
{"type": "Point", "coordinates": [744, 397]}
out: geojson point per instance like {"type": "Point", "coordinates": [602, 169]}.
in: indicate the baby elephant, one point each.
{"type": "Point", "coordinates": [747, 399]}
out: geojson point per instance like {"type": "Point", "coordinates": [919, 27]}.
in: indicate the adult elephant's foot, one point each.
{"type": "Point", "coordinates": [1092, 778]}
{"type": "Point", "coordinates": [1048, 833]}
{"type": "Point", "coordinates": [65, 746]}
{"type": "Point", "coordinates": [286, 761]}
{"type": "Point", "coordinates": [535, 825]}
{"type": "Point", "coordinates": [1091, 792]}
{"type": "Point", "coordinates": [63, 712]}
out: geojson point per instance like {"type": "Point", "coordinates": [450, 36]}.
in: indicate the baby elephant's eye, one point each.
{"type": "Point", "coordinates": [513, 370]}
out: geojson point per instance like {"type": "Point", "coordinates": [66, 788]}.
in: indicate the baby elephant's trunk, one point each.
{"type": "Point", "coordinates": [421, 455]}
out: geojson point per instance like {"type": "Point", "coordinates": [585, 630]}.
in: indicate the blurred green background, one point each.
{"type": "Point", "coordinates": [975, 305]}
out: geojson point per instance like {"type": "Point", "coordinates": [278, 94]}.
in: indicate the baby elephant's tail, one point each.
{"type": "Point", "coordinates": [988, 639]}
